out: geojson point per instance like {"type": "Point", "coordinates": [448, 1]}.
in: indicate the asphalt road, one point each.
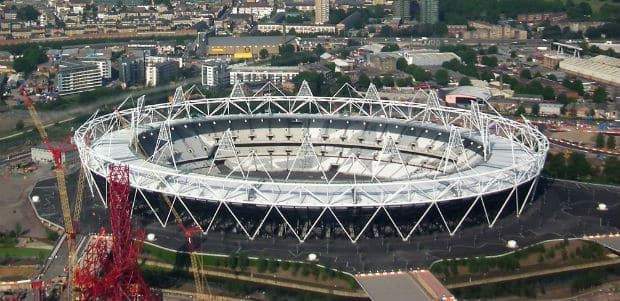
{"type": "Point", "coordinates": [560, 209]}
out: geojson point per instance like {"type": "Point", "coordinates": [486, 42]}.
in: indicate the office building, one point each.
{"type": "Point", "coordinates": [215, 74]}
{"type": "Point", "coordinates": [429, 11]}
{"type": "Point", "coordinates": [76, 77]}
{"type": "Point", "coordinates": [401, 9]}
{"type": "Point", "coordinates": [321, 11]}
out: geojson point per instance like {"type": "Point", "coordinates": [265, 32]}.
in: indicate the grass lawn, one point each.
{"type": "Point", "coordinates": [23, 252]}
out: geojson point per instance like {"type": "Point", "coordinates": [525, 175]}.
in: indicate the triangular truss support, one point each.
{"type": "Point", "coordinates": [237, 91]}
{"type": "Point", "coordinates": [306, 159]}
{"type": "Point", "coordinates": [350, 163]}
{"type": "Point", "coordinates": [249, 164]}
{"type": "Point", "coordinates": [164, 145]}
{"type": "Point", "coordinates": [372, 93]}
{"type": "Point", "coordinates": [226, 149]}
{"type": "Point", "coordinates": [389, 152]}
{"type": "Point", "coordinates": [433, 110]}
{"type": "Point", "coordinates": [304, 90]}
{"type": "Point", "coordinates": [454, 153]}
{"type": "Point", "coordinates": [480, 123]}
{"type": "Point", "coordinates": [269, 87]}
{"type": "Point", "coordinates": [351, 91]}
{"type": "Point", "coordinates": [179, 95]}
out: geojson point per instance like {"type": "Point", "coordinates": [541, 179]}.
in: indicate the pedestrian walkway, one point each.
{"type": "Point", "coordinates": [403, 286]}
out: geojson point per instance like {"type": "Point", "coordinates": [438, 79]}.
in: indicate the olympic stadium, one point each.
{"type": "Point", "coordinates": [304, 167]}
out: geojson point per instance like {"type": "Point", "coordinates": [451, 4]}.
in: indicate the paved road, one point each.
{"type": "Point", "coordinates": [561, 209]}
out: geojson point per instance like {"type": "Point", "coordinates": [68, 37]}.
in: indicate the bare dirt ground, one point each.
{"type": "Point", "coordinates": [16, 207]}
{"type": "Point", "coordinates": [589, 139]}
{"type": "Point", "coordinates": [12, 273]}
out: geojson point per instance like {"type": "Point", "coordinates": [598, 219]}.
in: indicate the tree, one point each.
{"type": "Point", "coordinates": [492, 50]}
{"type": "Point", "coordinates": [32, 57]}
{"type": "Point", "coordinates": [363, 81]}
{"type": "Point", "coordinates": [19, 125]}
{"type": "Point", "coordinates": [525, 74]}
{"type": "Point", "coordinates": [600, 140]}
{"type": "Point", "coordinates": [377, 81]}
{"type": "Point", "coordinates": [319, 49]}
{"type": "Point", "coordinates": [401, 64]}
{"type": "Point", "coordinates": [578, 167]}
{"type": "Point", "coordinates": [520, 111]}
{"type": "Point", "coordinates": [552, 77]}
{"type": "Point", "coordinates": [388, 81]}
{"type": "Point", "coordinates": [600, 95]}
{"type": "Point", "coordinates": [263, 53]}
{"type": "Point", "coordinates": [465, 81]}
{"type": "Point", "coordinates": [27, 13]}
{"type": "Point", "coordinates": [404, 82]}
{"type": "Point", "coordinates": [287, 49]}
{"type": "Point", "coordinates": [535, 109]}
{"type": "Point", "coordinates": [390, 47]}
{"type": "Point", "coordinates": [442, 77]}
{"type": "Point", "coordinates": [611, 142]}
{"type": "Point", "coordinates": [611, 172]}
{"type": "Point", "coordinates": [490, 61]}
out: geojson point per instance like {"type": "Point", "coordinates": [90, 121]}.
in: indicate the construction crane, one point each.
{"type": "Point", "coordinates": [195, 259]}
{"type": "Point", "coordinates": [59, 170]}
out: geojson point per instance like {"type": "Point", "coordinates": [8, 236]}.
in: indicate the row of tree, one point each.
{"type": "Point", "coordinates": [600, 141]}
{"type": "Point", "coordinates": [576, 167]}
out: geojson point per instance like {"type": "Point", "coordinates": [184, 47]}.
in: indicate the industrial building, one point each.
{"type": "Point", "coordinates": [463, 96]}
{"type": "Point", "coordinates": [76, 77]}
{"type": "Point", "coordinates": [41, 154]}
{"type": "Point", "coordinates": [426, 57]}
{"type": "Point", "coordinates": [215, 74]}
{"type": "Point", "coordinates": [602, 69]}
{"type": "Point", "coordinates": [246, 47]}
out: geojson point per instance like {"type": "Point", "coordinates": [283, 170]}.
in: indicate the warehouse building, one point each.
{"type": "Point", "coordinates": [245, 47]}
{"type": "Point", "coordinates": [601, 69]}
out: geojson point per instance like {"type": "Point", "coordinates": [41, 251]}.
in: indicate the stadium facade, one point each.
{"type": "Point", "coordinates": [308, 167]}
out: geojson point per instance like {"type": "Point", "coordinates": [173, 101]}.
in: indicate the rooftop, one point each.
{"type": "Point", "coordinates": [248, 41]}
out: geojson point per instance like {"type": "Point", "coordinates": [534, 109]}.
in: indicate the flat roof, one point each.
{"type": "Point", "coordinates": [248, 41]}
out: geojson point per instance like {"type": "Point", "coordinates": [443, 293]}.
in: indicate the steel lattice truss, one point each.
{"type": "Point", "coordinates": [512, 155]}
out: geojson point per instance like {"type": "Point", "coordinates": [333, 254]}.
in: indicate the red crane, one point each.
{"type": "Point", "coordinates": [118, 276]}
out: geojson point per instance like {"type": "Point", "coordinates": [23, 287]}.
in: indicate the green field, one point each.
{"type": "Point", "coordinates": [23, 252]}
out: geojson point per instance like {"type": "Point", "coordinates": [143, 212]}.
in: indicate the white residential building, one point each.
{"type": "Point", "coordinates": [103, 64]}
{"type": "Point", "coordinates": [277, 75]}
{"type": "Point", "coordinates": [74, 77]}
{"type": "Point", "coordinates": [257, 9]}
{"type": "Point", "coordinates": [215, 74]}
